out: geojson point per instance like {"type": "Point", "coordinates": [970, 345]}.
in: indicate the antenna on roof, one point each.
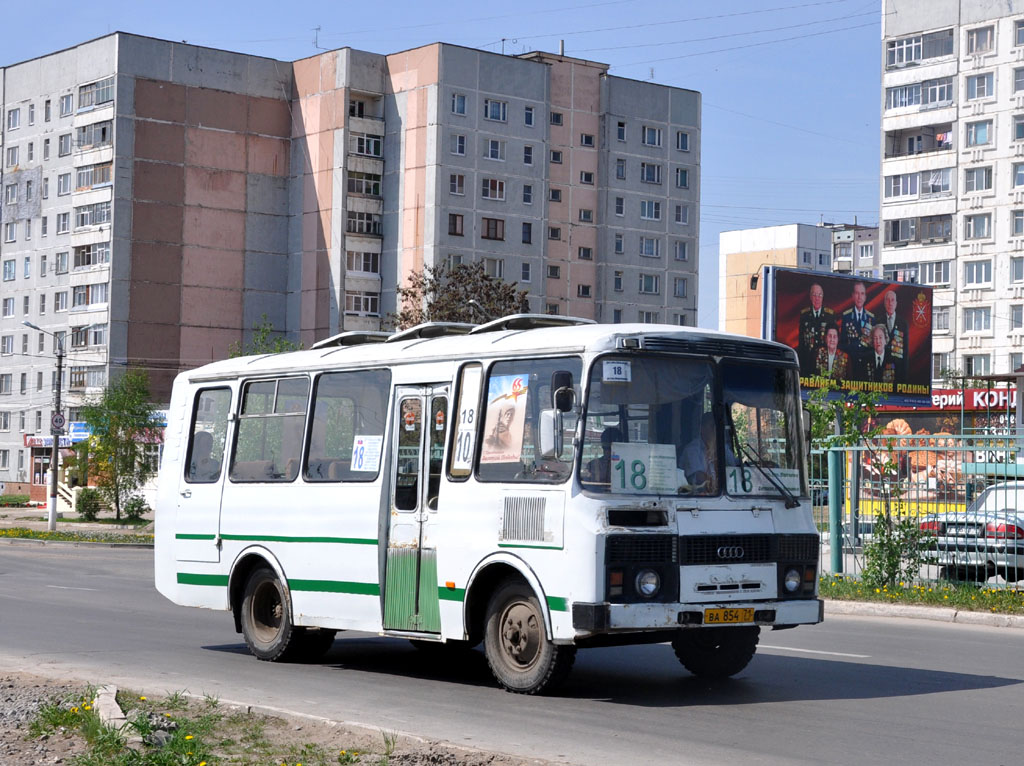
{"type": "Point", "coordinates": [316, 38]}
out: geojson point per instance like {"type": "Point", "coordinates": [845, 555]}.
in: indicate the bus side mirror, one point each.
{"type": "Point", "coordinates": [563, 396]}
{"type": "Point", "coordinates": [551, 442]}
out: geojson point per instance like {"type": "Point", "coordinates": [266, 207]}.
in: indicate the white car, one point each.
{"type": "Point", "coordinates": [985, 540]}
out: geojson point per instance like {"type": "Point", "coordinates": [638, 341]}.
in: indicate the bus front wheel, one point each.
{"type": "Point", "coordinates": [716, 652]}
{"type": "Point", "coordinates": [266, 617]}
{"type": "Point", "coordinates": [518, 651]}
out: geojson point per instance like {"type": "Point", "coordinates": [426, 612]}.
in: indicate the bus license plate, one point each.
{"type": "Point", "coordinates": [726, 616]}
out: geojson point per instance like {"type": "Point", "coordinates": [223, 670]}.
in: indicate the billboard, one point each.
{"type": "Point", "coordinates": [862, 334]}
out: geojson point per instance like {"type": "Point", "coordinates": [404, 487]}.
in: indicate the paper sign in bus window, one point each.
{"type": "Point", "coordinates": [616, 371]}
{"type": "Point", "coordinates": [643, 468]}
{"type": "Point", "coordinates": [505, 421]}
{"type": "Point", "coordinates": [366, 451]}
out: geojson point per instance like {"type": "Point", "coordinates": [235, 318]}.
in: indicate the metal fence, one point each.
{"type": "Point", "coordinates": [963, 492]}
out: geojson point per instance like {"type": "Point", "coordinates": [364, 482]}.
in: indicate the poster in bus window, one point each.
{"type": "Point", "coordinates": [505, 419]}
{"type": "Point", "coordinates": [859, 334]}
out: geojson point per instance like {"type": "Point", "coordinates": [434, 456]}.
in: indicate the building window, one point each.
{"type": "Point", "coordinates": [99, 175]}
{"type": "Point", "coordinates": [458, 103]}
{"type": "Point", "coordinates": [620, 246]}
{"type": "Point", "coordinates": [978, 179]}
{"type": "Point", "coordinates": [60, 301]}
{"type": "Point", "coordinates": [456, 184]}
{"type": "Point", "coordinates": [61, 266]}
{"type": "Point", "coordinates": [1018, 33]}
{"type": "Point", "coordinates": [367, 184]}
{"type": "Point", "coordinates": [682, 178]}
{"type": "Point", "coordinates": [682, 141]}
{"type": "Point", "coordinates": [940, 319]}
{"type": "Point", "coordinates": [458, 144]}
{"type": "Point", "coordinates": [31, 151]}
{"type": "Point", "coordinates": [650, 210]}
{"type": "Point", "coordinates": [12, 156]}
{"type": "Point", "coordinates": [362, 263]}
{"type": "Point", "coordinates": [367, 145]}
{"type": "Point", "coordinates": [650, 284]}
{"type": "Point", "coordinates": [527, 194]}
{"type": "Point", "coordinates": [679, 287]}
{"type": "Point", "coordinates": [1017, 316]}
{"type": "Point", "coordinates": [26, 268]}
{"type": "Point", "coordinates": [8, 307]}
{"type": "Point", "coordinates": [978, 226]}
{"type": "Point", "coordinates": [10, 232]}
{"type": "Point", "coordinates": [587, 139]}
{"type": "Point", "coordinates": [585, 253]}
{"type": "Point", "coordinates": [46, 148]}
{"type": "Point", "coordinates": [555, 118]}
{"type": "Point", "coordinates": [1017, 269]}
{"type": "Point", "coordinates": [935, 273]}
{"type": "Point", "coordinates": [13, 119]}
{"type": "Point", "coordinates": [63, 184]}
{"type": "Point", "coordinates": [554, 195]}
{"type": "Point", "coordinates": [587, 177]}
{"type": "Point", "coordinates": [650, 247]}
{"type": "Point", "coordinates": [455, 224]}
{"type": "Point", "coordinates": [524, 274]}
{"type": "Point", "coordinates": [64, 145]}
{"type": "Point", "coordinates": [492, 188]}
{"type": "Point", "coordinates": [650, 136]}
{"type": "Point", "coordinates": [7, 346]}
{"type": "Point", "coordinates": [496, 111]}
{"type": "Point", "coordinates": [977, 319]}
{"type": "Point", "coordinates": [620, 131]}
{"type": "Point", "coordinates": [680, 250]}
{"type": "Point", "coordinates": [5, 385]}
{"type": "Point", "coordinates": [556, 157]}
{"type": "Point", "coordinates": [899, 230]}
{"type": "Point", "coordinates": [979, 133]}
{"type": "Point", "coordinates": [682, 214]}
{"type": "Point", "coordinates": [552, 309]}
{"type": "Point", "coordinates": [554, 272]}
{"type": "Point", "coordinates": [586, 215]}
{"type": "Point", "coordinates": [616, 316]}
{"type": "Point", "coordinates": [356, 108]}
{"type": "Point", "coordinates": [620, 169]}
{"type": "Point", "coordinates": [528, 116]}
{"type": "Point", "coordinates": [980, 86]}
{"type": "Point", "coordinates": [935, 182]}
{"type": "Point", "coordinates": [978, 272]}
{"type": "Point", "coordinates": [980, 40]}
{"type": "Point", "coordinates": [648, 317]}
{"type": "Point", "coordinates": [583, 291]}
{"type": "Point", "coordinates": [494, 149]}
{"type": "Point", "coordinates": [527, 155]}
{"type": "Point", "coordinates": [88, 295]}
{"type": "Point", "coordinates": [11, 194]}
{"type": "Point", "coordinates": [96, 93]}
{"type": "Point", "coordinates": [494, 267]}
{"type": "Point", "coordinates": [92, 215]}
{"type": "Point", "coordinates": [453, 260]}
{"type": "Point", "coordinates": [620, 206]}
{"type": "Point", "coordinates": [554, 232]}
{"type": "Point", "coordinates": [617, 281]}
{"type": "Point", "coordinates": [976, 364]}
{"type": "Point", "coordinates": [362, 303]}
{"type": "Point", "coordinates": [1018, 127]}
{"type": "Point", "coordinates": [650, 173]}
{"type": "Point", "coordinates": [527, 232]}
{"type": "Point", "coordinates": [493, 228]}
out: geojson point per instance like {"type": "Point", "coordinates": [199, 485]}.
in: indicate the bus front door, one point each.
{"type": "Point", "coordinates": [410, 578]}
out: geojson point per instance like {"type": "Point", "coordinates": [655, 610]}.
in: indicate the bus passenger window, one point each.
{"type": "Point", "coordinates": [268, 442]}
{"type": "Point", "coordinates": [346, 437]}
{"type": "Point", "coordinates": [209, 432]}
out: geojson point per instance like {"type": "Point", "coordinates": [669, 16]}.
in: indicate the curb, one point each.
{"type": "Point", "coordinates": [934, 613]}
{"type": "Point", "coordinates": [73, 543]}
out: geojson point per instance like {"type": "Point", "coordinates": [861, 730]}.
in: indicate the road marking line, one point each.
{"type": "Point", "coordinates": [813, 651]}
{"type": "Point", "coordinates": [66, 587]}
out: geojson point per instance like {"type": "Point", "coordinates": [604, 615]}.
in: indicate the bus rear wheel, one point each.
{"type": "Point", "coordinates": [716, 652]}
{"type": "Point", "coordinates": [266, 618]}
{"type": "Point", "coordinates": [518, 651]}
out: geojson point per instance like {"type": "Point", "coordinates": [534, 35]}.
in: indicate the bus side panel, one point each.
{"type": "Point", "coordinates": [175, 444]}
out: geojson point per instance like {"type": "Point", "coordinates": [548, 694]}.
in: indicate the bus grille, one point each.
{"type": "Point", "coordinates": [523, 519]}
{"type": "Point", "coordinates": [648, 549]}
{"type": "Point", "coordinates": [747, 549]}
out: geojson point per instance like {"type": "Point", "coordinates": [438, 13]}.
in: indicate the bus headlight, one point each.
{"type": "Point", "coordinates": [648, 583]}
{"type": "Point", "coordinates": [792, 580]}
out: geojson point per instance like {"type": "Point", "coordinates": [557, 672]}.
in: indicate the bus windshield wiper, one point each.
{"type": "Point", "coordinates": [755, 460]}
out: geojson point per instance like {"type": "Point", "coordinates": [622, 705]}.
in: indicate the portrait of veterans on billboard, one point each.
{"type": "Point", "coordinates": [861, 334]}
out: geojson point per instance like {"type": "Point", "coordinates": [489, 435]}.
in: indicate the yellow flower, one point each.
{"type": "Point", "coordinates": [87, 707]}
{"type": "Point", "coordinates": [188, 736]}
{"type": "Point", "coordinates": [74, 710]}
{"type": "Point", "coordinates": [202, 763]}
{"type": "Point", "coordinates": [142, 698]}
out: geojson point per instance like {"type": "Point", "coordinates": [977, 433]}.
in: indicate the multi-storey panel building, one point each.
{"type": "Point", "coordinates": [952, 196]}
{"type": "Point", "coordinates": [161, 199]}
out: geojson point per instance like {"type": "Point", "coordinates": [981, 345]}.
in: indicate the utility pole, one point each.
{"type": "Point", "coordinates": [56, 427]}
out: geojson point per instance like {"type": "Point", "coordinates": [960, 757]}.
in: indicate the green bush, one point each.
{"type": "Point", "coordinates": [88, 504]}
{"type": "Point", "coordinates": [13, 501]}
{"type": "Point", "coordinates": [135, 507]}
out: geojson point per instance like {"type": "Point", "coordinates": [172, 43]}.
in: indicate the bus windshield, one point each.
{"type": "Point", "coordinates": [680, 426]}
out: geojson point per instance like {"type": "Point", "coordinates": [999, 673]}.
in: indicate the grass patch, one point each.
{"type": "Point", "coordinates": [955, 596]}
{"type": "Point", "coordinates": [125, 522]}
{"type": "Point", "coordinates": [75, 537]}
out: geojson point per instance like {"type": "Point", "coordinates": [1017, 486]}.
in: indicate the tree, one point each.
{"type": "Point", "coordinates": [443, 294]}
{"type": "Point", "coordinates": [123, 423]}
{"type": "Point", "coordinates": [265, 340]}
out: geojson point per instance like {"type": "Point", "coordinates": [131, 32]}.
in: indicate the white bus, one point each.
{"type": "Point", "coordinates": [536, 483]}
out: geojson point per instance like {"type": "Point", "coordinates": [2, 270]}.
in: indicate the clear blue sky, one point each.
{"type": "Point", "coordinates": [790, 87]}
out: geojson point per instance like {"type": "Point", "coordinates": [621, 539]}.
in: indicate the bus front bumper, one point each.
{"type": "Point", "coordinates": [612, 618]}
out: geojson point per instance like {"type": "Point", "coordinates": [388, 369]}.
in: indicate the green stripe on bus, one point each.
{"type": "Point", "coordinates": [188, 578]}
{"type": "Point", "coordinates": [336, 586]}
{"type": "Point", "coordinates": [292, 539]}
{"type": "Point", "coordinates": [535, 547]}
{"type": "Point", "coordinates": [181, 536]}
{"type": "Point", "coordinates": [558, 604]}
{"type": "Point", "coordinates": [451, 594]}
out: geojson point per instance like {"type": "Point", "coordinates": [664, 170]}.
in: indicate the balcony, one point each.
{"type": "Point", "coordinates": [917, 141]}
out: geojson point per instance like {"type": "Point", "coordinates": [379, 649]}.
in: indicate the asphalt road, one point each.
{"type": "Point", "coordinates": [853, 690]}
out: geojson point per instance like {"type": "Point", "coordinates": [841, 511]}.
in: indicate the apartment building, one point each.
{"type": "Point", "coordinates": [161, 198]}
{"type": "Point", "coordinates": [742, 255]}
{"type": "Point", "coordinates": [952, 196]}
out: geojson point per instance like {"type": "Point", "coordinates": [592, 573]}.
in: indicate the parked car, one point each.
{"type": "Point", "coordinates": [986, 539]}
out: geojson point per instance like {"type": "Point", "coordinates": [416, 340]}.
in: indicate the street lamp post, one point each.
{"type": "Point", "coordinates": [56, 428]}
